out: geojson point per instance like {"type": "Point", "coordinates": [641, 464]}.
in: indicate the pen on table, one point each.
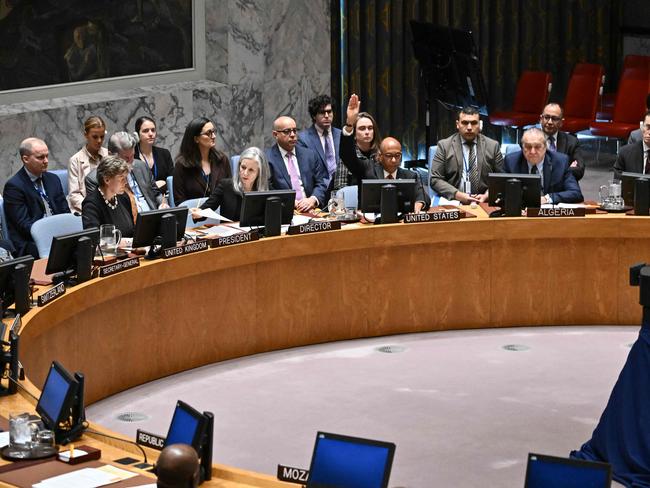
{"type": "Point", "coordinates": [71, 450]}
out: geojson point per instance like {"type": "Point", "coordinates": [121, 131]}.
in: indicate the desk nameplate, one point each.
{"type": "Point", "coordinates": [154, 441]}
{"type": "Point", "coordinates": [416, 218]}
{"type": "Point", "coordinates": [555, 212]}
{"type": "Point", "coordinates": [197, 246]}
{"type": "Point", "coordinates": [313, 227]}
{"type": "Point", "coordinates": [292, 475]}
{"type": "Point", "coordinates": [223, 241]}
{"type": "Point", "coordinates": [118, 267]}
{"type": "Point", "coordinates": [51, 294]}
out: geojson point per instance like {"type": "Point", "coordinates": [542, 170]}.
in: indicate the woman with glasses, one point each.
{"type": "Point", "coordinates": [158, 159]}
{"type": "Point", "coordinates": [199, 165]}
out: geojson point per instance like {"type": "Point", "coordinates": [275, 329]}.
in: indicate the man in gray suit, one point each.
{"type": "Point", "coordinates": [141, 187]}
{"type": "Point", "coordinates": [460, 168]}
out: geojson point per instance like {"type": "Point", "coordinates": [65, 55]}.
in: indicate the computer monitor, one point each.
{"type": "Point", "coordinates": [632, 198]}
{"type": "Point", "coordinates": [254, 204]}
{"type": "Point", "coordinates": [72, 254]}
{"type": "Point", "coordinates": [524, 191]}
{"type": "Point", "coordinates": [543, 471]}
{"type": "Point", "coordinates": [371, 195]}
{"type": "Point", "coordinates": [350, 462]}
{"type": "Point", "coordinates": [57, 396]}
{"type": "Point", "coordinates": [14, 284]}
{"type": "Point", "coordinates": [149, 228]}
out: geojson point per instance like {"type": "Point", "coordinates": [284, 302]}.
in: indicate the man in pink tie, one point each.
{"type": "Point", "coordinates": [295, 167]}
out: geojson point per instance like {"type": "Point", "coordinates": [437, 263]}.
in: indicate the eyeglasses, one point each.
{"type": "Point", "coordinates": [537, 147]}
{"type": "Point", "coordinates": [396, 156]}
{"type": "Point", "coordinates": [287, 132]}
{"type": "Point", "coordinates": [554, 118]}
{"type": "Point", "coordinates": [325, 112]}
{"type": "Point", "coordinates": [209, 133]}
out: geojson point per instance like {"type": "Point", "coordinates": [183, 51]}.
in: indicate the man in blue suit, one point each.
{"type": "Point", "coordinates": [31, 194]}
{"type": "Point", "coordinates": [321, 137]}
{"type": "Point", "coordinates": [558, 183]}
{"type": "Point", "coordinates": [295, 167]}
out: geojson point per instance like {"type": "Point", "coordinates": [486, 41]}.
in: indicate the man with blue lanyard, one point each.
{"type": "Point", "coordinates": [31, 194]}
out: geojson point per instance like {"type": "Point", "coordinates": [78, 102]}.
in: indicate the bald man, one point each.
{"type": "Point", "coordinates": [389, 158]}
{"type": "Point", "coordinates": [31, 194]}
{"type": "Point", "coordinates": [296, 167]}
{"type": "Point", "coordinates": [178, 467]}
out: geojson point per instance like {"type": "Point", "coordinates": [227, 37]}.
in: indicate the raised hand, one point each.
{"type": "Point", "coordinates": [354, 106]}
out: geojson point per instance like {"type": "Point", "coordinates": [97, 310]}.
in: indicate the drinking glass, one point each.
{"type": "Point", "coordinates": [109, 238]}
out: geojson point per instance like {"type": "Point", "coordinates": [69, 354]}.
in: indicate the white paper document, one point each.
{"type": "Point", "coordinates": [444, 201]}
{"type": "Point", "coordinates": [4, 439]}
{"type": "Point", "coordinates": [222, 230]}
{"type": "Point", "coordinates": [300, 219]}
{"type": "Point", "coordinates": [211, 214]}
{"type": "Point", "coordinates": [87, 478]}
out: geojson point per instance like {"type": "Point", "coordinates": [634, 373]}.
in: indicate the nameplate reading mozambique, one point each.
{"type": "Point", "coordinates": [150, 440]}
{"type": "Point", "coordinates": [236, 239]}
{"type": "Point", "coordinates": [292, 475]}
{"type": "Point", "coordinates": [414, 218]}
{"type": "Point", "coordinates": [118, 266]}
{"type": "Point", "coordinates": [197, 246]}
{"type": "Point", "coordinates": [51, 294]}
{"type": "Point", "coordinates": [555, 212]}
{"type": "Point", "coordinates": [312, 227]}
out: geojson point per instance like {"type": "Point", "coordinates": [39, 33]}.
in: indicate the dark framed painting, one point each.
{"type": "Point", "coordinates": [47, 42]}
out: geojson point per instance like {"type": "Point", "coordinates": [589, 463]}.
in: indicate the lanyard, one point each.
{"type": "Point", "coordinates": [154, 167]}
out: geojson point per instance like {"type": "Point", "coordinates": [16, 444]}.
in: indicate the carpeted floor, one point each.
{"type": "Point", "coordinates": [463, 410]}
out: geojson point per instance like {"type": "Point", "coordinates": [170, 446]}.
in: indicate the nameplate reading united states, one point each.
{"type": "Point", "coordinates": [414, 218]}
{"type": "Point", "coordinates": [117, 267]}
{"type": "Point", "coordinates": [51, 294]}
{"type": "Point", "coordinates": [236, 239]}
{"type": "Point", "coordinates": [311, 227]}
{"type": "Point", "coordinates": [555, 212]}
{"type": "Point", "coordinates": [150, 440]}
{"type": "Point", "coordinates": [197, 246]}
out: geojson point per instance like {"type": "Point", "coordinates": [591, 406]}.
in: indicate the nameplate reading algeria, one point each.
{"type": "Point", "coordinates": [415, 218]}
{"type": "Point", "coordinates": [51, 294]}
{"type": "Point", "coordinates": [236, 239]}
{"type": "Point", "coordinates": [292, 475]}
{"type": "Point", "coordinates": [555, 212]}
{"type": "Point", "coordinates": [119, 266]}
{"type": "Point", "coordinates": [150, 440]}
{"type": "Point", "coordinates": [197, 246]}
{"type": "Point", "coordinates": [312, 227]}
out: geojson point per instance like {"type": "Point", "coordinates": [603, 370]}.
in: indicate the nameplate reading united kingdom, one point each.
{"type": "Point", "coordinates": [197, 246]}
{"type": "Point", "coordinates": [414, 218]}
{"type": "Point", "coordinates": [236, 239]}
{"type": "Point", "coordinates": [118, 267]}
{"type": "Point", "coordinates": [312, 227]}
{"type": "Point", "coordinates": [556, 212]}
{"type": "Point", "coordinates": [51, 294]}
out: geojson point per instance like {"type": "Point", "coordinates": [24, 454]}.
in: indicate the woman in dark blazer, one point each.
{"type": "Point", "coordinates": [109, 204]}
{"type": "Point", "coordinates": [200, 165]}
{"type": "Point", "coordinates": [252, 174]}
{"type": "Point", "coordinates": [158, 159]}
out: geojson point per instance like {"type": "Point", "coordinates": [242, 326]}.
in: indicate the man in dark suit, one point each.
{"type": "Point", "coordinates": [556, 140]}
{"type": "Point", "coordinates": [558, 183]}
{"type": "Point", "coordinates": [31, 194]}
{"type": "Point", "coordinates": [295, 167]}
{"type": "Point", "coordinates": [321, 137]}
{"type": "Point", "coordinates": [460, 168]}
{"type": "Point", "coordinates": [635, 158]}
{"type": "Point", "coordinates": [637, 135]}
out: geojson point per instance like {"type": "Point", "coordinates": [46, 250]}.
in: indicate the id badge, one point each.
{"type": "Point", "coordinates": [466, 187]}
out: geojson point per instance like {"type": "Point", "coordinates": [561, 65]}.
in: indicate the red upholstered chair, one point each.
{"type": "Point", "coordinates": [633, 89]}
{"type": "Point", "coordinates": [582, 96]}
{"type": "Point", "coordinates": [532, 92]}
{"type": "Point", "coordinates": [609, 99]}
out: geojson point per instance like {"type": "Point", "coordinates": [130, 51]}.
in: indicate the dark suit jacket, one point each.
{"type": "Point", "coordinates": [313, 172]}
{"type": "Point", "coordinates": [24, 206]}
{"type": "Point", "coordinates": [142, 175]}
{"type": "Point", "coordinates": [630, 159]}
{"type": "Point", "coordinates": [226, 198]}
{"type": "Point", "coordinates": [95, 212]}
{"type": "Point", "coordinates": [163, 163]}
{"type": "Point", "coordinates": [559, 181]}
{"type": "Point", "coordinates": [569, 145]}
{"type": "Point", "coordinates": [635, 136]}
{"type": "Point", "coordinates": [309, 138]}
{"type": "Point", "coordinates": [363, 168]}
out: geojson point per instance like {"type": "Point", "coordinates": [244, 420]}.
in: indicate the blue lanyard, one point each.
{"type": "Point", "coordinates": [154, 167]}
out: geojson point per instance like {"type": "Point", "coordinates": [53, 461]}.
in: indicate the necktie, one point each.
{"type": "Point", "coordinates": [551, 145]}
{"type": "Point", "coordinates": [533, 170]}
{"type": "Point", "coordinates": [134, 206]}
{"type": "Point", "coordinates": [295, 179]}
{"type": "Point", "coordinates": [647, 162]}
{"type": "Point", "coordinates": [329, 153]}
{"type": "Point", "coordinates": [46, 201]}
{"type": "Point", "coordinates": [390, 177]}
{"type": "Point", "coordinates": [473, 167]}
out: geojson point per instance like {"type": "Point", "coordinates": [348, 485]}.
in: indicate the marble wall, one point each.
{"type": "Point", "coordinates": [263, 59]}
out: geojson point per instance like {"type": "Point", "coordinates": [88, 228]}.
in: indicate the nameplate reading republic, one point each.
{"type": "Point", "coordinates": [236, 239]}
{"type": "Point", "coordinates": [197, 246]}
{"type": "Point", "coordinates": [556, 212]}
{"type": "Point", "coordinates": [51, 294]}
{"type": "Point", "coordinates": [292, 475]}
{"type": "Point", "coordinates": [117, 267]}
{"type": "Point", "coordinates": [150, 440]}
{"type": "Point", "coordinates": [415, 218]}
{"type": "Point", "coordinates": [312, 227]}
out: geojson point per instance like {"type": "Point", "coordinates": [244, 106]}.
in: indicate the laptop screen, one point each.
{"type": "Point", "coordinates": [187, 426]}
{"type": "Point", "coordinates": [544, 471]}
{"type": "Point", "coordinates": [350, 462]}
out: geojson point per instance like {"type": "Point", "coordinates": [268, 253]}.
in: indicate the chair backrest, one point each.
{"type": "Point", "coordinates": [532, 92]}
{"type": "Point", "coordinates": [582, 94]}
{"type": "Point", "coordinates": [350, 195]}
{"type": "Point", "coordinates": [234, 162]}
{"type": "Point", "coordinates": [45, 229]}
{"type": "Point", "coordinates": [3, 219]}
{"type": "Point", "coordinates": [510, 148]}
{"type": "Point", "coordinates": [170, 191]}
{"type": "Point", "coordinates": [636, 61]}
{"type": "Point", "coordinates": [432, 154]}
{"type": "Point", "coordinates": [192, 203]}
{"type": "Point", "coordinates": [633, 89]}
{"type": "Point", "coordinates": [63, 176]}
